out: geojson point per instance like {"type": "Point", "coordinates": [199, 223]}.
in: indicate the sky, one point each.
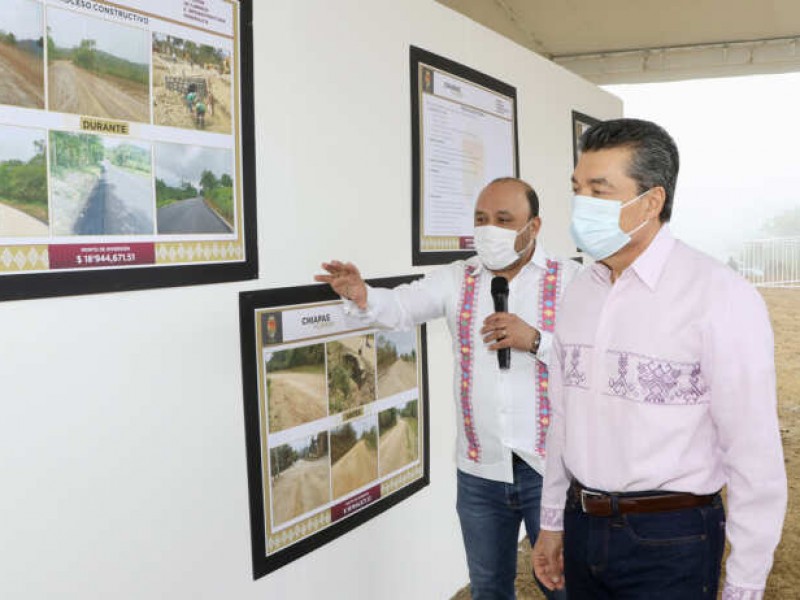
{"type": "Point", "coordinates": [738, 142]}
{"type": "Point", "coordinates": [16, 143]}
{"type": "Point", "coordinates": [23, 18]}
{"type": "Point", "coordinates": [68, 29]}
{"type": "Point", "coordinates": [404, 341]}
{"type": "Point", "coordinates": [176, 163]}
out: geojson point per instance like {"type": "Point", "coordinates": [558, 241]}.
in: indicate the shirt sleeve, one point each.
{"type": "Point", "coordinates": [556, 477]}
{"type": "Point", "coordinates": [744, 411]}
{"type": "Point", "coordinates": [407, 305]}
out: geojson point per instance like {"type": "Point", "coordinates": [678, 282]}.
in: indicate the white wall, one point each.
{"type": "Point", "coordinates": [123, 459]}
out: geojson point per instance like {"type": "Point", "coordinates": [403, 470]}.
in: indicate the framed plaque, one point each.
{"type": "Point", "coordinates": [336, 418]}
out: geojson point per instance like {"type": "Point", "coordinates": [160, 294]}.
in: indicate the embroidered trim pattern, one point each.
{"type": "Point", "coordinates": [731, 592]}
{"type": "Point", "coordinates": [656, 381]}
{"type": "Point", "coordinates": [552, 517]}
{"type": "Point", "coordinates": [547, 320]}
{"type": "Point", "coordinates": [466, 360]}
{"type": "Point", "coordinates": [574, 374]}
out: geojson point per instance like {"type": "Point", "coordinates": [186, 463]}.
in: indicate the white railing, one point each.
{"type": "Point", "coordinates": [771, 262]}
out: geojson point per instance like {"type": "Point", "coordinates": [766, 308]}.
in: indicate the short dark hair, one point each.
{"type": "Point", "coordinates": [530, 193]}
{"type": "Point", "coordinates": [654, 156]}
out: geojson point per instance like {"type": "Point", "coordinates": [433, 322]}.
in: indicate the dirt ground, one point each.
{"type": "Point", "coordinates": [784, 581]}
{"type": "Point", "coordinates": [301, 488]}
{"type": "Point", "coordinates": [74, 90]}
{"type": "Point", "coordinates": [295, 398]}
{"type": "Point", "coordinates": [14, 222]}
{"type": "Point", "coordinates": [21, 78]}
{"type": "Point", "coordinates": [344, 353]}
{"type": "Point", "coordinates": [397, 447]}
{"type": "Point", "coordinates": [169, 107]}
{"type": "Point", "coordinates": [356, 468]}
{"type": "Point", "coordinates": [398, 377]}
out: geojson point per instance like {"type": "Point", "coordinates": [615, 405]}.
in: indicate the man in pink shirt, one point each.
{"type": "Point", "coordinates": [663, 390]}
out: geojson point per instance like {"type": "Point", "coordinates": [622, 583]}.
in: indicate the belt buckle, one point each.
{"type": "Point", "coordinates": [584, 494]}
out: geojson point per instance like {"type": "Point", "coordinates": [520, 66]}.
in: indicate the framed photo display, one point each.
{"type": "Point", "coordinates": [126, 145]}
{"type": "Point", "coordinates": [463, 136]}
{"type": "Point", "coordinates": [580, 123]}
{"type": "Point", "coordinates": [336, 419]}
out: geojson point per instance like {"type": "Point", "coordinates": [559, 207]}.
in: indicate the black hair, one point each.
{"type": "Point", "coordinates": [654, 154]}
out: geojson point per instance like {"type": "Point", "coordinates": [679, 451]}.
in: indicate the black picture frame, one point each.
{"type": "Point", "coordinates": [56, 282]}
{"type": "Point", "coordinates": [580, 123]}
{"type": "Point", "coordinates": [419, 56]}
{"type": "Point", "coordinates": [250, 302]}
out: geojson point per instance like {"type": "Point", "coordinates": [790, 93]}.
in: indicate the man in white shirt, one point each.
{"type": "Point", "coordinates": [503, 414]}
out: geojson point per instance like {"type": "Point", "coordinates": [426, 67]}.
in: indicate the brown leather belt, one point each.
{"type": "Point", "coordinates": [601, 504]}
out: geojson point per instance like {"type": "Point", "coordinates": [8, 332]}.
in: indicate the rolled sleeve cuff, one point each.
{"type": "Point", "coordinates": [734, 592]}
{"type": "Point", "coordinates": [551, 519]}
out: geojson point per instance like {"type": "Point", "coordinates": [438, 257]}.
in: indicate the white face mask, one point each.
{"type": "Point", "coordinates": [595, 225]}
{"type": "Point", "coordinates": [495, 246]}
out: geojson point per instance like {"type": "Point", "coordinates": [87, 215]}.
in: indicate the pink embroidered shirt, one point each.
{"type": "Point", "coordinates": [665, 380]}
{"type": "Point", "coordinates": [498, 411]}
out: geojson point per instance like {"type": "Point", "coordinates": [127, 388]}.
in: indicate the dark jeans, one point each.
{"type": "Point", "coordinates": [671, 555]}
{"type": "Point", "coordinates": [490, 513]}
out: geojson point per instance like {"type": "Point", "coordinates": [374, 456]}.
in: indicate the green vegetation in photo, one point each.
{"type": "Point", "coordinates": [370, 437]}
{"type": "Point", "coordinates": [387, 419]}
{"type": "Point", "coordinates": [133, 158]}
{"type": "Point", "coordinates": [198, 54]}
{"type": "Point", "coordinates": [218, 193]}
{"type": "Point", "coordinates": [23, 185]}
{"type": "Point", "coordinates": [340, 385]}
{"type": "Point", "coordinates": [309, 359]}
{"type": "Point", "coordinates": [166, 195]}
{"type": "Point", "coordinates": [387, 354]}
{"type": "Point", "coordinates": [281, 458]}
{"type": "Point", "coordinates": [75, 152]}
{"type": "Point", "coordinates": [342, 439]}
{"type": "Point", "coordinates": [88, 57]}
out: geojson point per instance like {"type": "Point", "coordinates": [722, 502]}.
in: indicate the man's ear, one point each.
{"type": "Point", "coordinates": [655, 201]}
{"type": "Point", "coordinates": [536, 225]}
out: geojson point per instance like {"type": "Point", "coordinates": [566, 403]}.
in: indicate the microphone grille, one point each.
{"type": "Point", "coordinates": [499, 285]}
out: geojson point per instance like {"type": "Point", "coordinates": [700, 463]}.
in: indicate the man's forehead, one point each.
{"type": "Point", "coordinates": [602, 166]}
{"type": "Point", "coordinates": [504, 196]}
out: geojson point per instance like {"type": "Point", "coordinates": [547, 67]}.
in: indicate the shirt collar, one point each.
{"type": "Point", "coordinates": [539, 259]}
{"type": "Point", "coordinates": [649, 265]}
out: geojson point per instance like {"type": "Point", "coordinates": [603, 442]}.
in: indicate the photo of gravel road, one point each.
{"type": "Point", "coordinates": [23, 182]}
{"type": "Point", "coordinates": [296, 390]}
{"type": "Point", "coordinates": [191, 85]}
{"type": "Point", "coordinates": [354, 455]}
{"type": "Point", "coordinates": [100, 185]}
{"type": "Point", "coordinates": [300, 476]}
{"type": "Point", "coordinates": [194, 189]}
{"type": "Point", "coordinates": [351, 372]}
{"type": "Point", "coordinates": [397, 362]}
{"type": "Point", "coordinates": [97, 68]}
{"type": "Point", "coordinates": [399, 437]}
{"type": "Point", "coordinates": [21, 54]}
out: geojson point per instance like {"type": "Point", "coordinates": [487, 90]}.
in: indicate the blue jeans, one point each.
{"type": "Point", "coordinates": [490, 513]}
{"type": "Point", "coordinates": [666, 555]}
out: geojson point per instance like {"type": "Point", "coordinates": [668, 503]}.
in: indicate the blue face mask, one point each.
{"type": "Point", "coordinates": [595, 225]}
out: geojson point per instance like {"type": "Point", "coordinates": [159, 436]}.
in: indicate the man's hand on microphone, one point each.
{"type": "Point", "coordinates": [507, 330]}
{"type": "Point", "coordinates": [346, 281]}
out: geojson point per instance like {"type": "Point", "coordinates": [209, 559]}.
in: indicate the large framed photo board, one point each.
{"type": "Point", "coordinates": [336, 419]}
{"type": "Point", "coordinates": [126, 145]}
{"type": "Point", "coordinates": [464, 135]}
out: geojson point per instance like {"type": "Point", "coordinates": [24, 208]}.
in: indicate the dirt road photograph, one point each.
{"type": "Point", "coordinates": [397, 362]}
{"type": "Point", "coordinates": [296, 390]}
{"type": "Point", "coordinates": [398, 437]}
{"type": "Point", "coordinates": [23, 182]}
{"type": "Point", "coordinates": [100, 185]}
{"type": "Point", "coordinates": [21, 54]}
{"type": "Point", "coordinates": [97, 68]}
{"type": "Point", "coordinates": [191, 85]}
{"type": "Point", "coordinates": [194, 189]}
{"type": "Point", "coordinates": [300, 477]}
{"type": "Point", "coordinates": [351, 372]}
{"type": "Point", "coordinates": [354, 455]}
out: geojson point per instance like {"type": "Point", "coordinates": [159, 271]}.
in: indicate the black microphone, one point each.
{"type": "Point", "coordinates": [500, 297]}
